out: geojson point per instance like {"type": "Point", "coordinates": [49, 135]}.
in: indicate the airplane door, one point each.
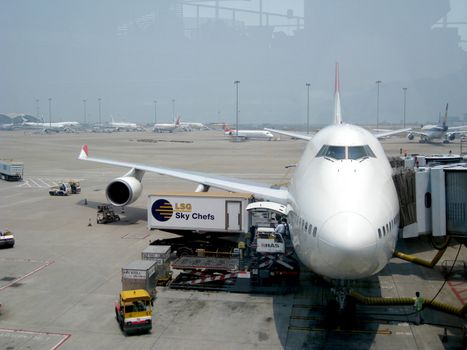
{"type": "Point", "coordinates": [233, 216]}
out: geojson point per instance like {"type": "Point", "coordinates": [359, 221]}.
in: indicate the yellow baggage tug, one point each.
{"type": "Point", "coordinates": [134, 310]}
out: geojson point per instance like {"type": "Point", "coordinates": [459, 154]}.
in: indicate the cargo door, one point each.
{"type": "Point", "coordinates": [233, 216]}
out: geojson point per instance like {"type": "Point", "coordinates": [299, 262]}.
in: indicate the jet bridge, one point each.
{"type": "Point", "coordinates": [440, 202]}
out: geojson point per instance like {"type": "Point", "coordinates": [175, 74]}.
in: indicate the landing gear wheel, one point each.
{"type": "Point", "coordinates": [184, 251]}
{"type": "Point", "coordinates": [439, 243]}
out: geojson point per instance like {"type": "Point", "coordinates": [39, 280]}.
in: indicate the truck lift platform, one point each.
{"type": "Point", "coordinates": [206, 263]}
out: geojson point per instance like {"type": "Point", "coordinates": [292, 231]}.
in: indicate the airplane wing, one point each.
{"type": "Point", "coordinates": [234, 185]}
{"type": "Point", "coordinates": [393, 132]}
{"type": "Point", "coordinates": [458, 128]}
{"type": "Point", "coordinates": [291, 134]}
{"type": "Point", "coordinates": [419, 133]}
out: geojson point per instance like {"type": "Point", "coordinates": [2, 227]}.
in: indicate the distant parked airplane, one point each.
{"type": "Point", "coordinates": [168, 127]}
{"type": "Point", "coordinates": [123, 126]}
{"type": "Point", "coordinates": [193, 125]}
{"type": "Point", "coordinates": [52, 127]}
{"type": "Point", "coordinates": [249, 134]}
{"type": "Point", "coordinates": [428, 133]}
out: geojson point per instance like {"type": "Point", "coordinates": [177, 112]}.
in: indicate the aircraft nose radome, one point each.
{"type": "Point", "coordinates": [347, 246]}
{"type": "Point", "coordinates": [348, 231]}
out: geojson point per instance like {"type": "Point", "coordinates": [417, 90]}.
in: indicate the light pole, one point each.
{"type": "Point", "coordinates": [236, 82]}
{"type": "Point", "coordinates": [173, 110]}
{"type": "Point", "coordinates": [84, 110]}
{"type": "Point", "coordinates": [155, 112]}
{"type": "Point", "coordinates": [308, 108]}
{"type": "Point", "coordinates": [37, 109]}
{"type": "Point", "coordinates": [50, 112]}
{"type": "Point", "coordinates": [99, 100]}
{"type": "Point", "coordinates": [377, 104]}
{"type": "Point", "coordinates": [405, 99]}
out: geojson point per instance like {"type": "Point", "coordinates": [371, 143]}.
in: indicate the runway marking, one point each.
{"type": "Point", "coordinates": [41, 182]}
{"type": "Point", "coordinates": [64, 336]}
{"type": "Point", "coordinates": [136, 235]}
{"type": "Point", "coordinates": [44, 265]}
{"type": "Point", "coordinates": [460, 290]}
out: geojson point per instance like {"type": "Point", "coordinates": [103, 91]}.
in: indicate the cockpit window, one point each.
{"type": "Point", "coordinates": [346, 152]}
{"type": "Point", "coordinates": [336, 152]}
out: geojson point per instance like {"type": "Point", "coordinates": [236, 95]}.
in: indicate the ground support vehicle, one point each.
{"type": "Point", "coordinates": [7, 239]}
{"type": "Point", "coordinates": [11, 170]}
{"type": "Point", "coordinates": [133, 310]}
{"type": "Point", "coordinates": [106, 214]}
{"type": "Point", "coordinates": [63, 189]}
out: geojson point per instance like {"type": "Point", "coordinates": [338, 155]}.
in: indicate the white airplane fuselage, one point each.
{"type": "Point", "coordinates": [250, 134]}
{"type": "Point", "coordinates": [351, 205]}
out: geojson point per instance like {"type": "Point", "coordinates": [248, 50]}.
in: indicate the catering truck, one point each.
{"type": "Point", "coordinates": [11, 170]}
{"type": "Point", "coordinates": [199, 211]}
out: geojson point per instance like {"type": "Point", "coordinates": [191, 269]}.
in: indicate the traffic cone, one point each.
{"type": "Point", "coordinates": [89, 224]}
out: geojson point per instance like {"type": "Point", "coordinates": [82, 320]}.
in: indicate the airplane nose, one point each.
{"type": "Point", "coordinates": [347, 244]}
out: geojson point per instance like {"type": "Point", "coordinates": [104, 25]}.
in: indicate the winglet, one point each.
{"type": "Point", "coordinates": [337, 99]}
{"type": "Point", "coordinates": [84, 152]}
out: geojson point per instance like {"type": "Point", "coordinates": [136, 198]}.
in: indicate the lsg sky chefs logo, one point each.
{"type": "Point", "coordinates": [162, 210]}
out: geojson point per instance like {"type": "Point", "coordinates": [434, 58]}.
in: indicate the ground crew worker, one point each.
{"type": "Point", "coordinates": [418, 305]}
{"type": "Point", "coordinates": [282, 228]}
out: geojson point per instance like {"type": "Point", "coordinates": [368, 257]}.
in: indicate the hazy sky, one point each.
{"type": "Point", "coordinates": [132, 53]}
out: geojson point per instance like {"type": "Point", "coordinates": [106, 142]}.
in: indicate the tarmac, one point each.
{"type": "Point", "coordinates": [58, 285]}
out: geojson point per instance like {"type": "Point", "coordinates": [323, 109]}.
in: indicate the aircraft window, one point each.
{"type": "Point", "coordinates": [379, 233]}
{"type": "Point", "coordinates": [314, 231]}
{"type": "Point", "coordinates": [358, 152]}
{"type": "Point", "coordinates": [335, 152]}
{"type": "Point", "coordinates": [387, 228]}
{"type": "Point", "coordinates": [322, 151]}
{"type": "Point", "coordinates": [306, 226]}
{"type": "Point", "coordinates": [309, 229]}
{"type": "Point", "coordinates": [384, 231]}
{"type": "Point", "coordinates": [369, 152]}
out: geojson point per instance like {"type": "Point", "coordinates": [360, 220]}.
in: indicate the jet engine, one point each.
{"type": "Point", "coordinates": [123, 191]}
{"type": "Point", "coordinates": [410, 136]}
{"type": "Point", "coordinates": [452, 137]}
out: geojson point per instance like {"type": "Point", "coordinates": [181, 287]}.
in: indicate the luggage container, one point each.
{"type": "Point", "coordinates": [140, 274]}
{"type": "Point", "coordinates": [11, 170]}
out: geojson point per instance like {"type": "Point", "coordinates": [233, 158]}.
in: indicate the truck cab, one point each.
{"type": "Point", "coordinates": [133, 310]}
{"type": "Point", "coordinates": [269, 241]}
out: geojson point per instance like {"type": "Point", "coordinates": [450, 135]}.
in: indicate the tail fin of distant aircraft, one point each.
{"type": "Point", "coordinates": [337, 99]}
{"type": "Point", "coordinates": [445, 120]}
{"type": "Point", "coordinates": [84, 152]}
{"type": "Point", "coordinates": [226, 127]}
{"type": "Point", "coordinates": [177, 122]}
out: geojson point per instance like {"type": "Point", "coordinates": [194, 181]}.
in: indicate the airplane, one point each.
{"type": "Point", "coordinates": [168, 127]}
{"type": "Point", "coordinates": [52, 127]}
{"type": "Point", "coordinates": [428, 133]}
{"type": "Point", "coordinates": [124, 126]}
{"type": "Point", "coordinates": [249, 134]}
{"type": "Point", "coordinates": [341, 202]}
{"type": "Point", "coordinates": [193, 126]}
